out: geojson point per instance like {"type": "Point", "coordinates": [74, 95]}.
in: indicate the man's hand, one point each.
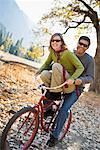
{"type": "Point", "coordinates": [78, 82]}
{"type": "Point", "coordinates": [70, 81]}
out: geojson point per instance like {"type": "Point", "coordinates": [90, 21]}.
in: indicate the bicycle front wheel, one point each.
{"type": "Point", "coordinates": [66, 126]}
{"type": "Point", "coordinates": [21, 129]}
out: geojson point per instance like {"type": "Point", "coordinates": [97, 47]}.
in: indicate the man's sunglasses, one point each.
{"type": "Point", "coordinates": [55, 40]}
{"type": "Point", "coordinates": [82, 44]}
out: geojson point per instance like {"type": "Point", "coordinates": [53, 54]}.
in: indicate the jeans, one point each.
{"type": "Point", "coordinates": [69, 100]}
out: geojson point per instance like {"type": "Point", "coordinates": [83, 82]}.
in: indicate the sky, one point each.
{"type": "Point", "coordinates": [34, 9]}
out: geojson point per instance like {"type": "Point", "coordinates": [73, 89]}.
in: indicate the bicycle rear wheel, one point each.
{"type": "Point", "coordinates": [21, 129]}
{"type": "Point", "coordinates": [66, 126]}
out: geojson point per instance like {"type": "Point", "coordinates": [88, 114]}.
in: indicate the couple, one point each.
{"type": "Point", "coordinates": [76, 69]}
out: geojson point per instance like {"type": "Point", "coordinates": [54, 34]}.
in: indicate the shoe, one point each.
{"type": "Point", "coordinates": [52, 95]}
{"type": "Point", "coordinates": [52, 141]}
{"type": "Point", "coordinates": [48, 113]}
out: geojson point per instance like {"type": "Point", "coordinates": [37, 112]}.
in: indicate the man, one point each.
{"type": "Point", "coordinates": [70, 98]}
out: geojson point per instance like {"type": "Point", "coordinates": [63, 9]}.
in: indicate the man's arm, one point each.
{"type": "Point", "coordinates": [89, 74]}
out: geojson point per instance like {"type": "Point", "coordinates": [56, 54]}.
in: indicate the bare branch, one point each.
{"type": "Point", "coordinates": [78, 23]}
{"type": "Point", "coordinates": [84, 22]}
{"type": "Point", "coordinates": [87, 6]}
{"type": "Point", "coordinates": [90, 13]}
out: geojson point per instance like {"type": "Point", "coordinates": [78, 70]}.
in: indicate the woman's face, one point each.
{"type": "Point", "coordinates": [56, 43]}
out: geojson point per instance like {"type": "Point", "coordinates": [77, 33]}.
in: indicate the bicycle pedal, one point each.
{"type": "Point", "coordinates": [48, 118]}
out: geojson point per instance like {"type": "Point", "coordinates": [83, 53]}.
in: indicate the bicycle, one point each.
{"type": "Point", "coordinates": [22, 128]}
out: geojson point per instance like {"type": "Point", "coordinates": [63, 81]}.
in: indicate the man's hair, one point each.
{"type": "Point", "coordinates": [85, 38]}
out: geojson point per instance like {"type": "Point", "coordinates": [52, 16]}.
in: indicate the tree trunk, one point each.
{"type": "Point", "coordinates": [96, 85]}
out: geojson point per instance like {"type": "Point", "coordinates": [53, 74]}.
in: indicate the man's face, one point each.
{"type": "Point", "coordinates": [82, 46]}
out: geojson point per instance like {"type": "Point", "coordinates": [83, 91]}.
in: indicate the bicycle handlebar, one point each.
{"type": "Point", "coordinates": [56, 87]}
{"type": "Point", "coordinates": [53, 88]}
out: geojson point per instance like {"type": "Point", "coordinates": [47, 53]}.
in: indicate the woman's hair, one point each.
{"type": "Point", "coordinates": [63, 46]}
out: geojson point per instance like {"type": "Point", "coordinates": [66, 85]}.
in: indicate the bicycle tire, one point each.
{"type": "Point", "coordinates": [23, 119]}
{"type": "Point", "coordinates": [66, 126]}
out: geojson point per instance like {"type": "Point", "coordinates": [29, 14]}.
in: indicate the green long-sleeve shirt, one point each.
{"type": "Point", "coordinates": [68, 59]}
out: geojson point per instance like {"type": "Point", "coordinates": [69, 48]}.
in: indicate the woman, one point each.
{"type": "Point", "coordinates": [65, 66]}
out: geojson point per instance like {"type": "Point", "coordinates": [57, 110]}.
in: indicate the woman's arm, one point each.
{"type": "Point", "coordinates": [79, 68]}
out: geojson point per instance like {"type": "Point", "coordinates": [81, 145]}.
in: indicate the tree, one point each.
{"type": "Point", "coordinates": [92, 14]}
{"type": "Point", "coordinates": [5, 40]}
{"type": "Point", "coordinates": [86, 14]}
{"type": "Point", "coordinates": [2, 34]}
{"type": "Point", "coordinates": [16, 49]}
{"type": "Point", "coordinates": [35, 52]}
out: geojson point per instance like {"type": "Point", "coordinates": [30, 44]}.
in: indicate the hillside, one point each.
{"type": "Point", "coordinates": [15, 21]}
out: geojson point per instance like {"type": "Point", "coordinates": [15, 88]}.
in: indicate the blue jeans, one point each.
{"type": "Point", "coordinates": [69, 100]}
